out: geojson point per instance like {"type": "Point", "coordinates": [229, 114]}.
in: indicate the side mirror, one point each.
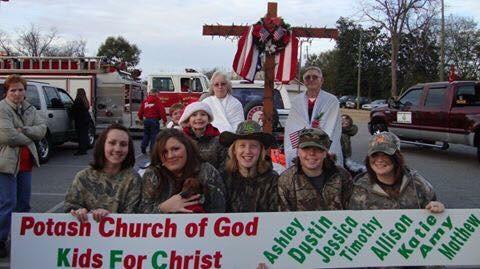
{"type": "Point", "coordinates": [392, 103]}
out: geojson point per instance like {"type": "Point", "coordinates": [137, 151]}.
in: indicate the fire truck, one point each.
{"type": "Point", "coordinates": [113, 94]}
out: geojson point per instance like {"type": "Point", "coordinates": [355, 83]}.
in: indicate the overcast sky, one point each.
{"type": "Point", "coordinates": [169, 33]}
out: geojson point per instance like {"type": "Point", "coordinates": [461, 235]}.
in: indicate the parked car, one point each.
{"type": "Point", "coordinates": [375, 104]}
{"type": "Point", "coordinates": [343, 100]}
{"type": "Point", "coordinates": [433, 115]}
{"type": "Point", "coordinates": [251, 97]}
{"type": "Point", "coordinates": [55, 105]}
{"type": "Point", "coordinates": [353, 103]}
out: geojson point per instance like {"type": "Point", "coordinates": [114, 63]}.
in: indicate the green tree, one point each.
{"type": "Point", "coordinates": [120, 53]}
{"type": "Point", "coordinates": [418, 58]}
{"type": "Point", "coordinates": [396, 17]}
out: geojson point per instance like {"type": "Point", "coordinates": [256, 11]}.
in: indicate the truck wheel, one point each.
{"type": "Point", "coordinates": [44, 149]}
{"type": "Point", "coordinates": [378, 127]}
{"type": "Point", "coordinates": [254, 111]}
{"type": "Point", "coordinates": [91, 135]}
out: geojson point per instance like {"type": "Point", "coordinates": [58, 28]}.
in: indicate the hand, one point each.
{"type": "Point", "coordinates": [99, 214]}
{"type": "Point", "coordinates": [80, 214]}
{"type": "Point", "coordinates": [435, 207]}
{"type": "Point", "coordinates": [177, 204]}
{"type": "Point", "coordinates": [262, 266]}
{"type": "Point", "coordinates": [20, 130]}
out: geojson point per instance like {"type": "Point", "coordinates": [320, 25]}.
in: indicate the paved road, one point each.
{"type": "Point", "coordinates": [455, 173]}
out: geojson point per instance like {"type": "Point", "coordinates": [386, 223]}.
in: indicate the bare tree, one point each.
{"type": "Point", "coordinates": [462, 46]}
{"type": "Point", "coordinates": [33, 42]}
{"type": "Point", "coordinates": [5, 44]}
{"type": "Point", "coordinates": [395, 17]}
{"type": "Point", "coordinates": [75, 48]}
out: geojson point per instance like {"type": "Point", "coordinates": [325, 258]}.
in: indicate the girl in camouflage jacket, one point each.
{"type": "Point", "coordinates": [388, 183]}
{"type": "Point", "coordinates": [314, 182]}
{"type": "Point", "coordinates": [110, 184]}
{"type": "Point", "coordinates": [250, 180]}
{"type": "Point", "coordinates": [197, 118]}
{"type": "Point", "coordinates": [175, 159]}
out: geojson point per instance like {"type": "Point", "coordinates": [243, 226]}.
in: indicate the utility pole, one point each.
{"type": "Point", "coordinates": [359, 68]}
{"type": "Point", "coordinates": [442, 45]}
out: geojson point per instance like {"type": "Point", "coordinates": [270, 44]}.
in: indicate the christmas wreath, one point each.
{"type": "Point", "coordinates": [271, 35]}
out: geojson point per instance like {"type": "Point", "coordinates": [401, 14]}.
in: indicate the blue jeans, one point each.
{"type": "Point", "coordinates": [151, 127]}
{"type": "Point", "coordinates": [15, 193]}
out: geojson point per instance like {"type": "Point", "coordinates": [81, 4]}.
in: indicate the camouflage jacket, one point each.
{"type": "Point", "coordinates": [296, 193]}
{"type": "Point", "coordinates": [210, 149]}
{"type": "Point", "coordinates": [345, 140]}
{"type": "Point", "coordinates": [206, 173]}
{"type": "Point", "coordinates": [259, 194]}
{"type": "Point", "coordinates": [92, 189]}
{"type": "Point", "coordinates": [415, 193]}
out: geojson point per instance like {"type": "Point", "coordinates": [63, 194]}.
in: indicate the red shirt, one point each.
{"type": "Point", "coordinates": [26, 162]}
{"type": "Point", "coordinates": [152, 108]}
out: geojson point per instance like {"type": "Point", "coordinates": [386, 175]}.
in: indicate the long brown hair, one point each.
{"type": "Point", "coordinates": [192, 165]}
{"type": "Point", "coordinates": [231, 165]}
{"type": "Point", "coordinates": [82, 97]}
{"type": "Point", "coordinates": [398, 166]}
{"type": "Point", "coordinates": [98, 162]}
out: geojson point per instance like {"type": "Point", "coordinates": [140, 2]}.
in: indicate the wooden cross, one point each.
{"type": "Point", "coordinates": [269, 67]}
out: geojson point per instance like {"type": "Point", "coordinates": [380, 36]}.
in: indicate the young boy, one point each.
{"type": "Point", "coordinates": [348, 130]}
{"type": "Point", "coordinates": [176, 112]}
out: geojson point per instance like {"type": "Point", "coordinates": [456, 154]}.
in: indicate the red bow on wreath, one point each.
{"type": "Point", "coordinates": [274, 37]}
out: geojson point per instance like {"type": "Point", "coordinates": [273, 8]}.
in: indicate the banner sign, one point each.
{"type": "Point", "coordinates": [320, 239]}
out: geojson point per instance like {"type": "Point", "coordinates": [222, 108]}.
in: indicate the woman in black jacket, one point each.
{"type": "Point", "coordinates": [82, 120]}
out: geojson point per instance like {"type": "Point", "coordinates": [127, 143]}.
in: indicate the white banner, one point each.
{"type": "Point", "coordinates": [321, 239]}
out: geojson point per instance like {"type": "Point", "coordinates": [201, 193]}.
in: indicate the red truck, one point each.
{"type": "Point", "coordinates": [433, 115]}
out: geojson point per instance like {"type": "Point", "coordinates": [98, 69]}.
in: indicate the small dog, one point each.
{"type": "Point", "coordinates": [192, 186]}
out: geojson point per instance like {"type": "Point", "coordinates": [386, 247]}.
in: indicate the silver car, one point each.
{"type": "Point", "coordinates": [55, 105]}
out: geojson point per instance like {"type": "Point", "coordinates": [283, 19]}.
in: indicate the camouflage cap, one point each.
{"type": "Point", "coordinates": [248, 129]}
{"type": "Point", "coordinates": [385, 142]}
{"type": "Point", "coordinates": [314, 137]}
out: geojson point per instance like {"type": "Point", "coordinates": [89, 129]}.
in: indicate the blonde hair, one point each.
{"type": "Point", "coordinates": [231, 164]}
{"type": "Point", "coordinates": [214, 76]}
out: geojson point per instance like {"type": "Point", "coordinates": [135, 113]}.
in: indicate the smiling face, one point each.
{"type": "Point", "coordinates": [311, 159]}
{"type": "Point", "coordinates": [174, 156]}
{"type": "Point", "coordinates": [198, 120]}
{"type": "Point", "coordinates": [382, 165]}
{"type": "Point", "coordinates": [220, 86]}
{"type": "Point", "coordinates": [116, 147]}
{"type": "Point", "coordinates": [247, 152]}
{"type": "Point", "coordinates": [16, 93]}
{"type": "Point", "coordinates": [313, 80]}
{"type": "Point", "coordinates": [176, 115]}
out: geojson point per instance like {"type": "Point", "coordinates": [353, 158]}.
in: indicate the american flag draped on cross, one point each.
{"type": "Point", "coordinates": [247, 58]}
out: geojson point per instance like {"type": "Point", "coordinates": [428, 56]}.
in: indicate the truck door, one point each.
{"type": "Point", "coordinates": [433, 114]}
{"type": "Point", "coordinates": [166, 89]}
{"type": "Point", "coordinates": [57, 115]}
{"type": "Point", "coordinates": [405, 117]}
{"type": "Point", "coordinates": [466, 102]}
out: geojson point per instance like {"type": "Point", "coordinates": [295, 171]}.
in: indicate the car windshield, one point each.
{"type": "Point", "coordinates": [247, 95]}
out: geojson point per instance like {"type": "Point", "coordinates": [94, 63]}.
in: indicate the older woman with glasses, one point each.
{"type": "Point", "coordinates": [314, 108]}
{"type": "Point", "coordinates": [227, 110]}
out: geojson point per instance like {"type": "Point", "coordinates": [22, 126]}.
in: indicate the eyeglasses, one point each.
{"type": "Point", "coordinates": [220, 84]}
{"type": "Point", "coordinates": [310, 77]}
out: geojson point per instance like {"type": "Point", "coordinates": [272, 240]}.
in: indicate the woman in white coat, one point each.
{"type": "Point", "coordinates": [227, 110]}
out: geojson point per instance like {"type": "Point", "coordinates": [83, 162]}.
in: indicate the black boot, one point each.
{"type": "Point", "coordinates": [3, 249]}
